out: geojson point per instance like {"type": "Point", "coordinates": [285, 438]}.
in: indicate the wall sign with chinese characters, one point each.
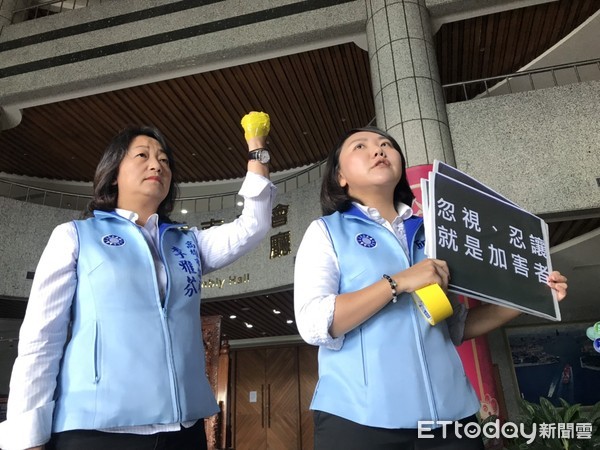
{"type": "Point", "coordinates": [211, 223]}
{"type": "Point", "coordinates": [281, 242]}
{"type": "Point", "coordinates": [280, 245]}
{"type": "Point", "coordinates": [496, 251]}
{"type": "Point", "coordinates": [279, 215]}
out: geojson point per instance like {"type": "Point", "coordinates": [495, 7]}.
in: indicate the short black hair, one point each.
{"type": "Point", "coordinates": [335, 198]}
{"type": "Point", "coordinates": [106, 192]}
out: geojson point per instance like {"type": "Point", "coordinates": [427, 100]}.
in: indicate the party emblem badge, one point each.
{"type": "Point", "coordinates": [366, 241]}
{"type": "Point", "coordinates": [113, 240]}
{"type": "Point", "coordinates": [593, 333]}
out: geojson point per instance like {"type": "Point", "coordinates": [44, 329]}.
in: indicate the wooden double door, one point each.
{"type": "Point", "coordinates": [273, 390]}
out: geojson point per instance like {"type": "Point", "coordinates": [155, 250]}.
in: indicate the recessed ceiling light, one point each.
{"type": "Point", "coordinates": [240, 203]}
{"type": "Point", "coordinates": [184, 211]}
{"type": "Point", "coordinates": [289, 321]}
{"type": "Point", "coordinates": [233, 316]}
{"type": "Point", "coordinates": [248, 325]}
{"type": "Point", "coordinates": [276, 311]}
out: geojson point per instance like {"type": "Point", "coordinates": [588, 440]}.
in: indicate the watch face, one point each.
{"type": "Point", "coordinates": [264, 157]}
{"type": "Point", "coordinates": [261, 156]}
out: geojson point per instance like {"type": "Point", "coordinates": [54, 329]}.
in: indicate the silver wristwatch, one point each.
{"type": "Point", "coordinates": [260, 154]}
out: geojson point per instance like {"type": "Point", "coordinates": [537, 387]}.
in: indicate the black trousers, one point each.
{"type": "Point", "coordinates": [335, 433]}
{"type": "Point", "coordinates": [193, 438]}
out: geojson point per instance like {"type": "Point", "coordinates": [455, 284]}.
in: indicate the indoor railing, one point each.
{"type": "Point", "coordinates": [527, 80]}
{"type": "Point", "coordinates": [516, 82]}
{"type": "Point", "coordinates": [216, 202]}
{"type": "Point", "coordinates": [41, 196]}
{"type": "Point", "coordinates": [189, 204]}
{"type": "Point", "coordinates": [29, 10]}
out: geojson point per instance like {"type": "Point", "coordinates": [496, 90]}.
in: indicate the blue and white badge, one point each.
{"type": "Point", "coordinates": [113, 240]}
{"type": "Point", "coordinates": [366, 241]}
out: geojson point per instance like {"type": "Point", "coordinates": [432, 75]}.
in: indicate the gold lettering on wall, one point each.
{"type": "Point", "coordinates": [211, 223]}
{"type": "Point", "coordinates": [280, 245]}
{"type": "Point", "coordinates": [279, 215]}
{"type": "Point", "coordinates": [219, 283]}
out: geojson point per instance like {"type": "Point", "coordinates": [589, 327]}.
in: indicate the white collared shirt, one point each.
{"type": "Point", "coordinates": [44, 330]}
{"type": "Point", "coordinates": [317, 261]}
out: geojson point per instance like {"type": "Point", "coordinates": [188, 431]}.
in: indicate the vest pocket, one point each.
{"type": "Point", "coordinates": [364, 357]}
{"type": "Point", "coordinates": [96, 354]}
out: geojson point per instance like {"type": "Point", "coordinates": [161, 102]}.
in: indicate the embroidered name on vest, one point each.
{"type": "Point", "coordinates": [189, 263]}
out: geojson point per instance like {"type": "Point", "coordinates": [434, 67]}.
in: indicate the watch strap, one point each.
{"type": "Point", "coordinates": [253, 154]}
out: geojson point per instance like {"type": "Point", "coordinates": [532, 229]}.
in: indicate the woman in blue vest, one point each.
{"type": "Point", "coordinates": [110, 351]}
{"type": "Point", "coordinates": [382, 367]}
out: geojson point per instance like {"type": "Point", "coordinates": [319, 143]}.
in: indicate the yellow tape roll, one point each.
{"type": "Point", "coordinates": [256, 124]}
{"type": "Point", "coordinates": [433, 303]}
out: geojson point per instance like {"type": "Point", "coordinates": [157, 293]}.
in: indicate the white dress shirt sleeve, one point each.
{"type": "Point", "coordinates": [41, 341]}
{"type": "Point", "coordinates": [316, 285]}
{"type": "Point", "coordinates": [223, 244]}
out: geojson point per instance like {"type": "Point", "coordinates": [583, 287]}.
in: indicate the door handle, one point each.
{"type": "Point", "coordinates": [268, 405]}
{"type": "Point", "coordinates": [262, 409]}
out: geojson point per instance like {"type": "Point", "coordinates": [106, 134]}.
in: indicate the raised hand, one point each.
{"type": "Point", "coordinates": [256, 124]}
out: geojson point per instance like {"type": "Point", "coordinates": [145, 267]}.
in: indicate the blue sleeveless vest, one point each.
{"type": "Point", "coordinates": [132, 360]}
{"type": "Point", "coordinates": [395, 369]}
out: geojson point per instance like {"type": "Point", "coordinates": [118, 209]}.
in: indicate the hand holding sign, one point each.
{"type": "Point", "coordinates": [497, 252]}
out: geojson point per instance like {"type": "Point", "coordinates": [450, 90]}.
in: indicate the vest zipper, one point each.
{"type": "Point", "coordinates": [165, 325]}
{"type": "Point", "coordinates": [160, 255]}
{"type": "Point", "coordinates": [364, 357]}
{"type": "Point", "coordinates": [96, 355]}
{"type": "Point", "coordinates": [418, 336]}
{"type": "Point", "coordinates": [172, 371]}
{"type": "Point", "coordinates": [171, 362]}
{"type": "Point", "coordinates": [427, 376]}
{"type": "Point", "coordinates": [419, 339]}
